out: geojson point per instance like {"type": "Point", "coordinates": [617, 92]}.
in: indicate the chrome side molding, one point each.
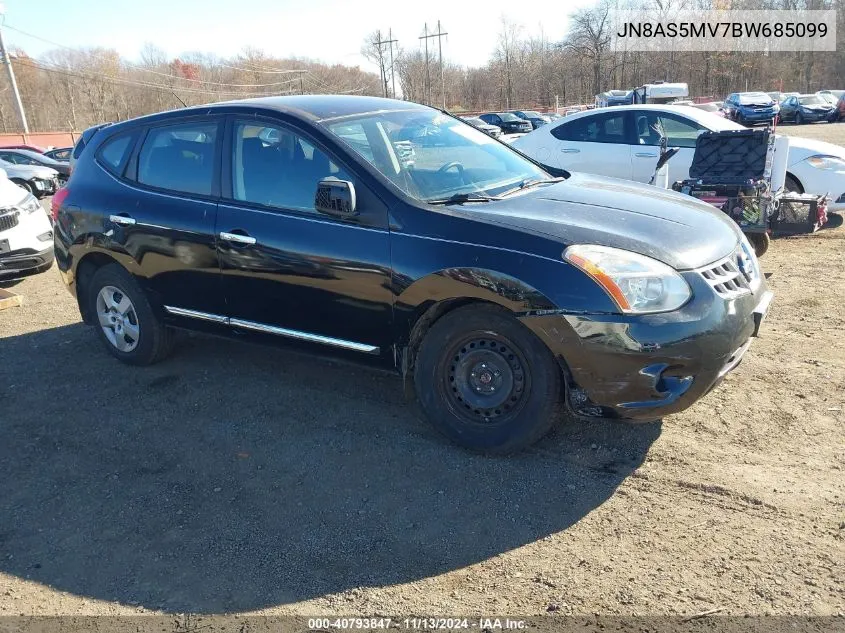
{"type": "Point", "coordinates": [195, 314]}
{"type": "Point", "coordinates": [272, 329]}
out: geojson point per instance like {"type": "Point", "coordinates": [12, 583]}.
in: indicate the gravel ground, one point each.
{"type": "Point", "coordinates": [233, 478]}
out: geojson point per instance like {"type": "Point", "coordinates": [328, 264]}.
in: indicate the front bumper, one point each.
{"type": "Point", "coordinates": [44, 186]}
{"type": "Point", "coordinates": [23, 262]}
{"type": "Point", "coordinates": [818, 115]}
{"type": "Point", "coordinates": [645, 367]}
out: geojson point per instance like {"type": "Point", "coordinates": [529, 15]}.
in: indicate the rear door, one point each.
{"type": "Point", "coordinates": [595, 143]}
{"type": "Point", "coordinates": [288, 270]}
{"type": "Point", "coordinates": [165, 218]}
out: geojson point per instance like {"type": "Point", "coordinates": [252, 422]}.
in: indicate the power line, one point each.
{"type": "Point", "coordinates": [172, 76]}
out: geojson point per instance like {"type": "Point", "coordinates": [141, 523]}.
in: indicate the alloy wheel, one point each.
{"type": "Point", "coordinates": [118, 319]}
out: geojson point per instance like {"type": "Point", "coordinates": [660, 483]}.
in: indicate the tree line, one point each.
{"type": "Point", "coordinates": [70, 89]}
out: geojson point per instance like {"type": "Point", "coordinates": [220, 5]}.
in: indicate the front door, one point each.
{"type": "Point", "coordinates": [680, 132]}
{"type": "Point", "coordinates": [288, 270]}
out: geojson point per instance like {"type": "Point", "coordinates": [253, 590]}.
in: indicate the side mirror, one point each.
{"type": "Point", "coordinates": [336, 197]}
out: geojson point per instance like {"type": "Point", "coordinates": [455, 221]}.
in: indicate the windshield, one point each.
{"type": "Point", "coordinates": [431, 156]}
{"type": "Point", "coordinates": [810, 100]}
{"type": "Point", "coordinates": [531, 114]}
{"type": "Point", "coordinates": [755, 98]}
{"type": "Point", "coordinates": [507, 116]}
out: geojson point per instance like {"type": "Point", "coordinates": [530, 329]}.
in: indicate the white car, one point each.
{"type": "Point", "coordinates": [26, 236]}
{"type": "Point", "coordinates": [621, 141]}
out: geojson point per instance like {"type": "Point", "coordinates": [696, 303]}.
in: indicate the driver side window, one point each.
{"type": "Point", "coordinates": [276, 167]}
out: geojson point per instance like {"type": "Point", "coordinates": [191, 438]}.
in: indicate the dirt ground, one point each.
{"type": "Point", "coordinates": [233, 478]}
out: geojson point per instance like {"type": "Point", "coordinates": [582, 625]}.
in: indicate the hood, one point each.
{"type": "Point", "coordinates": [10, 194]}
{"type": "Point", "coordinates": [585, 209]}
{"type": "Point", "coordinates": [801, 148]}
{"type": "Point", "coordinates": [29, 171]}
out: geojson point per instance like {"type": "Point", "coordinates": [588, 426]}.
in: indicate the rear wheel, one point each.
{"type": "Point", "coordinates": [125, 321]}
{"type": "Point", "coordinates": [486, 382]}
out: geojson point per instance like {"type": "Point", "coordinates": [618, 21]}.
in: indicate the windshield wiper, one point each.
{"type": "Point", "coordinates": [531, 182]}
{"type": "Point", "coordinates": [461, 198]}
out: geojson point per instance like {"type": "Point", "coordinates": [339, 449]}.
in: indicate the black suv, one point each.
{"type": "Point", "coordinates": [507, 121]}
{"type": "Point", "coordinates": [395, 233]}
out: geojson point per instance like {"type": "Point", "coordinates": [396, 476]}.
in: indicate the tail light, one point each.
{"type": "Point", "coordinates": [56, 203]}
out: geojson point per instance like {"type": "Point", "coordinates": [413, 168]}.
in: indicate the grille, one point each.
{"type": "Point", "coordinates": [8, 220]}
{"type": "Point", "coordinates": [732, 277]}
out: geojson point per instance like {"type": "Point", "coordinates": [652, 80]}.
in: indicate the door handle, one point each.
{"type": "Point", "coordinates": [570, 150]}
{"type": "Point", "coordinates": [645, 155]}
{"type": "Point", "coordinates": [123, 220]}
{"type": "Point", "coordinates": [237, 238]}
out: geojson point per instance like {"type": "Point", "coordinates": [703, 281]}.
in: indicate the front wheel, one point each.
{"type": "Point", "coordinates": [487, 382]}
{"type": "Point", "coordinates": [799, 119]}
{"type": "Point", "coordinates": [760, 242]}
{"type": "Point", "coordinates": [23, 184]}
{"type": "Point", "coordinates": [124, 319]}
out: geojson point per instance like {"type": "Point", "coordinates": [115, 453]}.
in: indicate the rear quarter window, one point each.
{"type": "Point", "coordinates": [114, 152]}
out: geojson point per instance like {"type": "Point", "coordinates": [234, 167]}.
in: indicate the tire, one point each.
{"type": "Point", "coordinates": [138, 336]}
{"type": "Point", "coordinates": [23, 184]}
{"type": "Point", "coordinates": [791, 184]}
{"type": "Point", "coordinates": [760, 242]}
{"type": "Point", "coordinates": [799, 119]}
{"type": "Point", "coordinates": [487, 382]}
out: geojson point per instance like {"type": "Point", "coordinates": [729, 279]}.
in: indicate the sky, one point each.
{"type": "Point", "coordinates": [330, 31]}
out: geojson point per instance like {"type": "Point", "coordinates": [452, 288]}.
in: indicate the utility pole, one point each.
{"type": "Point", "coordinates": [13, 83]}
{"type": "Point", "coordinates": [427, 75]}
{"type": "Point", "coordinates": [439, 35]}
{"type": "Point", "coordinates": [300, 83]}
{"type": "Point", "coordinates": [390, 41]}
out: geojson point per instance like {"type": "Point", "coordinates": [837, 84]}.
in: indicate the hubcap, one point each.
{"type": "Point", "coordinates": [486, 379]}
{"type": "Point", "coordinates": [117, 318]}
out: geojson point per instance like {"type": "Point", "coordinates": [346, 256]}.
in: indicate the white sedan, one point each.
{"type": "Point", "coordinates": [621, 141]}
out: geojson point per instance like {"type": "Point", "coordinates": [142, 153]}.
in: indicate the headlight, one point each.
{"type": "Point", "coordinates": [29, 204]}
{"type": "Point", "coordinates": [636, 283]}
{"type": "Point", "coordinates": [822, 161]}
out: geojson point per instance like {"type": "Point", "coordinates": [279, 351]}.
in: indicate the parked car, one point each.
{"type": "Point", "coordinates": [38, 180]}
{"type": "Point", "coordinates": [748, 108]}
{"type": "Point", "coordinates": [27, 157]}
{"type": "Point", "coordinates": [32, 148]}
{"type": "Point", "coordinates": [807, 108]}
{"type": "Point", "coordinates": [553, 116]}
{"type": "Point", "coordinates": [26, 237]}
{"type": "Point", "coordinates": [836, 94]}
{"type": "Point", "coordinates": [492, 130]}
{"type": "Point", "coordinates": [623, 142]}
{"type": "Point", "coordinates": [713, 106]}
{"type": "Point", "coordinates": [61, 154]}
{"type": "Point", "coordinates": [534, 118]}
{"type": "Point", "coordinates": [508, 122]}
{"type": "Point", "coordinates": [510, 293]}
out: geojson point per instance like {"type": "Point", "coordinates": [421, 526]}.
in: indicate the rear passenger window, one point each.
{"type": "Point", "coordinates": [609, 128]}
{"type": "Point", "coordinates": [179, 157]}
{"type": "Point", "coordinates": [113, 152]}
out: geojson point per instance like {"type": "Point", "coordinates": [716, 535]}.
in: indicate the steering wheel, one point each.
{"type": "Point", "coordinates": [449, 166]}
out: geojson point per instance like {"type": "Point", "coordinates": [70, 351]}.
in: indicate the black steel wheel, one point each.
{"type": "Point", "coordinates": [486, 381]}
